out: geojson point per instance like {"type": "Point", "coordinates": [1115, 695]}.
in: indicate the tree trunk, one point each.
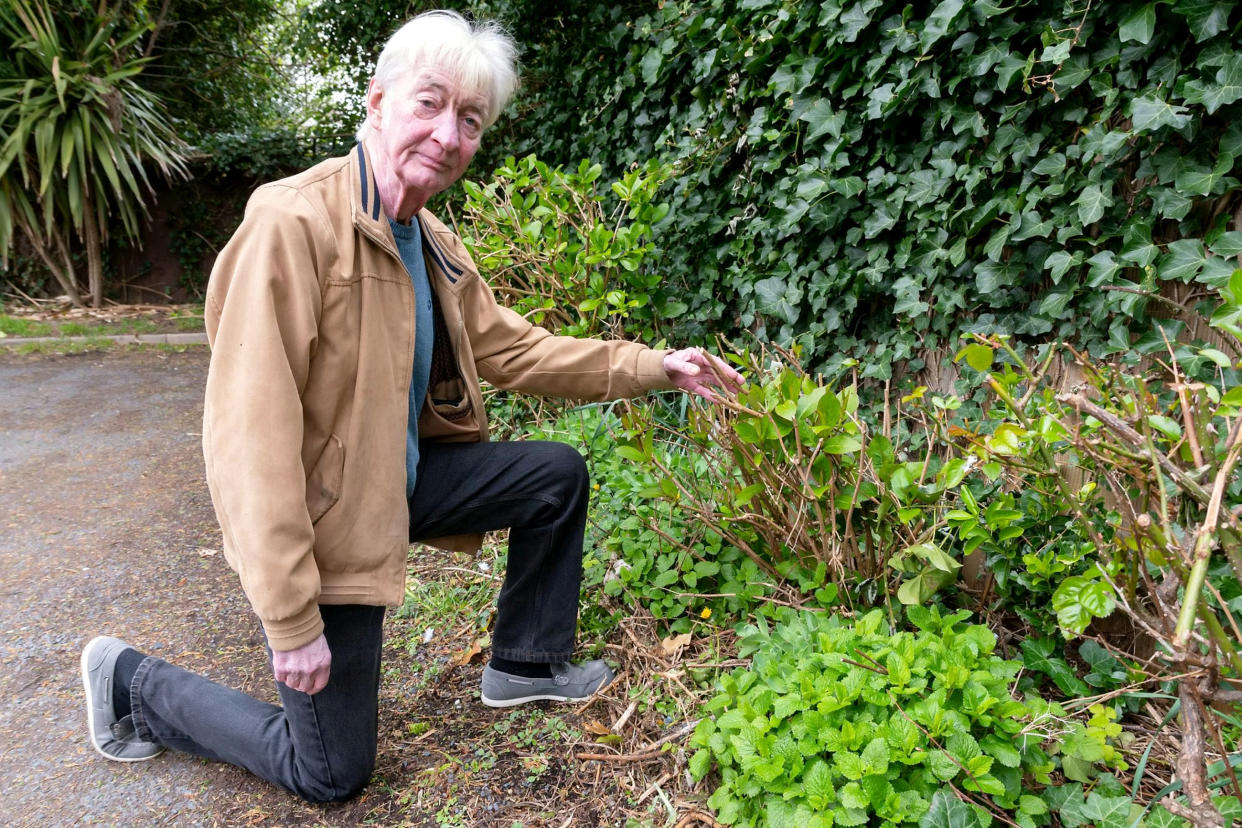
{"type": "Point", "coordinates": [94, 252]}
{"type": "Point", "coordinates": [63, 273]}
{"type": "Point", "coordinates": [1191, 764]}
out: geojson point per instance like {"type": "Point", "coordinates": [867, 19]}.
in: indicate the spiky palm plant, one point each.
{"type": "Point", "coordinates": [77, 133]}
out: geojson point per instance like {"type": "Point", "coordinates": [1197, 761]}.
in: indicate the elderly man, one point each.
{"type": "Point", "coordinates": [343, 419]}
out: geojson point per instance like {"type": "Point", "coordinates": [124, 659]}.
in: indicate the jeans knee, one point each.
{"type": "Point", "coordinates": [337, 785]}
{"type": "Point", "coordinates": [563, 464]}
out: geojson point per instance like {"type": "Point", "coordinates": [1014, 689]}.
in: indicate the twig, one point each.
{"type": "Point", "coordinates": [652, 751]}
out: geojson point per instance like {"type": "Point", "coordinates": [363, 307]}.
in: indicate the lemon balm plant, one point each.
{"type": "Point", "coordinates": [856, 722]}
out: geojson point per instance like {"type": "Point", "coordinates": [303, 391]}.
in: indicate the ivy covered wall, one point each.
{"type": "Point", "coordinates": [868, 182]}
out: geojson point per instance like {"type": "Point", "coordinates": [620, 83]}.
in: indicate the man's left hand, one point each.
{"type": "Point", "coordinates": [695, 371]}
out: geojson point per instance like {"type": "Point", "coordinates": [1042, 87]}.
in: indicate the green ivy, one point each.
{"type": "Point", "coordinates": [868, 181]}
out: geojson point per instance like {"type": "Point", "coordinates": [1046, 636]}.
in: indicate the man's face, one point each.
{"type": "Point", "coordinates": [427, 129]}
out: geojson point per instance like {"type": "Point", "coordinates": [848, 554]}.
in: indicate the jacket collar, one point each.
{"type": "Point", "coordinates": [370, 219]}
{"type": "Point", "coordinates": [365, 201]}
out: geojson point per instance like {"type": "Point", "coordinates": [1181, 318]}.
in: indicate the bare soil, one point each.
{"type": "Point", "coordinates": [106, 526]}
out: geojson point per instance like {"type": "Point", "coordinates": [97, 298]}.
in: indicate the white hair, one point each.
{"type": "Point", "coordinates": [481, 55]}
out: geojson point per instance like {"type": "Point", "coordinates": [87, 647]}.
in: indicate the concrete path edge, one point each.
{"type": "Point", "coordinates": [199, 338]}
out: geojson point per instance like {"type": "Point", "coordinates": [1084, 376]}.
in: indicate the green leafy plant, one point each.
{"type": "Point", "coordinates": [842, 722]}
{"type": "Point", "coordinates": [557, 255]}
{"type": "Point", "coordinates": [868, 178]}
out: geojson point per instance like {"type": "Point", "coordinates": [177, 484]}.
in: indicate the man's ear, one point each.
{"type": "Point", "coordinates": [375, 101]}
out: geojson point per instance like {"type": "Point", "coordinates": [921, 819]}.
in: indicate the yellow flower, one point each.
{"type": "Point", "coordinates": [706, 613]}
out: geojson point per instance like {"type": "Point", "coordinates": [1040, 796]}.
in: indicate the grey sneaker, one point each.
{"type": "Point", "coordinates": [114, 739]}
{"type": "Point", "coordinates": [569, 682]}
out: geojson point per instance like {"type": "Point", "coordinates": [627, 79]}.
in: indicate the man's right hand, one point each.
{"type": "Point", "coordinates": [305, 669]}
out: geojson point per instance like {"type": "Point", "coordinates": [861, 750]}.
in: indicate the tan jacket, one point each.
{"type": "Point", "coordinates": [310, 314]}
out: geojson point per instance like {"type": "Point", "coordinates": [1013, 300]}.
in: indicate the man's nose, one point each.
{"type": "Point", "coordinates": [446, 130]}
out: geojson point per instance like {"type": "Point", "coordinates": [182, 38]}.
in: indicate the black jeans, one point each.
{"type": "Point", "coordinates": [322, 747]}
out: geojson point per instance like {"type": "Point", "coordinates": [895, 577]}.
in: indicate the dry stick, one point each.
{"type": "Point", "coordinates": [652, 751]}
{"type": "Point", "coordinates": [698, 816]}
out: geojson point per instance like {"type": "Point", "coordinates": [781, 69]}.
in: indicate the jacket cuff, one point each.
{"type": "Point", "coordinates": [295, 632]}
{"type": "Point", "coordinates": [651, 373]}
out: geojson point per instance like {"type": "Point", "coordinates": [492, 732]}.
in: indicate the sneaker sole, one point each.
{"type": "Point", "coordinates": [536, 697]}
{"type": "Point", "coordinates": [90, 712]}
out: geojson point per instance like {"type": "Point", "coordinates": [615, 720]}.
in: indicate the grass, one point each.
{"type": "Point", "coordinates": [108, 322]}
{"type": "Point", "coordinates": [17, 327]}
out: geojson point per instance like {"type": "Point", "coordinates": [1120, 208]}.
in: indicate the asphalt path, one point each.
{"type": "Point", "coordinates": [106, 526]}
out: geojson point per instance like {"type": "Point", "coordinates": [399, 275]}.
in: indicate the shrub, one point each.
{"type": "Point", "coordinates": [558, 255]}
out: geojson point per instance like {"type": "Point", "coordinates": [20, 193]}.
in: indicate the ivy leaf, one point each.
{"type": "Point", "coordinates": [1108, 811]}
{"type": "Point", "coordinates": [651, 65]}
{"type": "Point", "coordinates": [939, 22]}
{"type": "Point", "coordinates": [1161, 818]}
{"type": "Point", "coordinates": [1091, 203]}
{"type": "Point", "coordinates": [1183, 261]}
{"type": "Point", "coordinates": [823, 120]}
{"type": "Point", "coordinates": [1055, 304]}
{"type": "Point", "coordinates": [1149, 114]}
{"type": "Point", "coordinates": [1206, 18]}
{"type": "Point", "coordinates": [947, 811]}
{"type": "Point", "coordinates": [992, 276]}
{"type": "Point", "coordinates": [1104, 266]}
{"type": "Point", "coordinates": [854, 19]}
{"type": "Point", "coordinates": [1060, 261]}
{"type": "Point", "coordinates": [1138, 25]}
{"type": "Point", "coordinates": [1203, 181]}
{"type": "Point", "coordinates": [778, 298]}
{"type": "Point", "coordinates": [1228, 244]}
{"type": "Point", "coordinates": [1226, 89]}
{"type": "Point", "coordinates": [1057, 52]}
{"type": "Point", "coordinates": [1037, 655]}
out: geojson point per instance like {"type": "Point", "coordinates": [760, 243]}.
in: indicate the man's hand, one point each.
{"type": "Point", "coordinates": [305, 669]}
{"type": "Point", "coordinates": [695, 371]}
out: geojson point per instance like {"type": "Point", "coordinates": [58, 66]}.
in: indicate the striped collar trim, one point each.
{"type": "Point", "coordinates": [370, 201]}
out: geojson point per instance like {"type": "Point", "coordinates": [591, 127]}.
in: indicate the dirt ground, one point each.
{"type": "Point", "coordinates": [106, 526]}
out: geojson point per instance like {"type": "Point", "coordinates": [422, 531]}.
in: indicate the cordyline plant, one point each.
{"type": "Point", "coordinates": [77, 132]}
{"type": "Point", "coordinates": [1146, 462]}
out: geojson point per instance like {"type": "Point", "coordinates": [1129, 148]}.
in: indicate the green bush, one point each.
{"type": "Point", "coordinates": [568, 253]}
{"type": "Point", "coordinates": [642, 549]}
{"type": "Point", "coordinates": [852, 723]}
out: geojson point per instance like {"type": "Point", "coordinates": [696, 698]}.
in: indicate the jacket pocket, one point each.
{"type": "Point", "coordinates": [323, 484]}
{"type": "Point", "coordinates": [448, 414]}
